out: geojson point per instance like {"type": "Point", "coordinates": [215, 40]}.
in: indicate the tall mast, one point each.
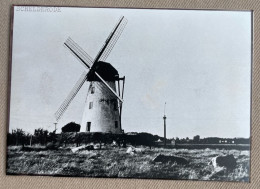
{"type": "Point", "coordinates": [164, 119]}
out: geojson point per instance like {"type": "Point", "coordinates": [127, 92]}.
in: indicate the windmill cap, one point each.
{"type": "Point", "coordinates": [105, 70]}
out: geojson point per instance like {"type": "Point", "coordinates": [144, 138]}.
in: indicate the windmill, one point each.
{"type": "Point", "coordinates": [103, 105]}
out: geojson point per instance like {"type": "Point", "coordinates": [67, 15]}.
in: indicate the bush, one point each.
{"type": "Point", "coordinates": [71, 127]}
{"type": "Point", "coordinates": [18, 137]}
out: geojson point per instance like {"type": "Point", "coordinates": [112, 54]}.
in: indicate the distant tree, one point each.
{"type": "Point", "coordinates": [71, 127]}
{"type": "Point", "coordinates": [53, 136]}
{"type": "Point", "coordinates": [177, 140]}
{"type": "Point", "coordinates": [41, 136]}
{"type": "Point", "coordinates": [17, 137]}
{"type": "Point", "coordinates": [183, 141]}
{"type": "Point", "coordinates": [196, 139]}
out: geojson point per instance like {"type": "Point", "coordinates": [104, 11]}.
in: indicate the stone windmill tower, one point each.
{"type": "Point", "coordinates": [103, 105]}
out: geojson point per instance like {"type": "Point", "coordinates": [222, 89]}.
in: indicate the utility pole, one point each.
{"type": "Point", "coordinates": [164, 119]}
{"type": "Point", "coordinates": [55, 124]}
{"type": "Point", "coordinates": [31, 141]}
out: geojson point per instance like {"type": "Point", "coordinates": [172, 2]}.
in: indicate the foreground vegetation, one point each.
{"type": "Point", "coordinates": [112, 161]}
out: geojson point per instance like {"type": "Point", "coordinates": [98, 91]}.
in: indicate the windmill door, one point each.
{"type": "Point", "coordinates": [88, 126]}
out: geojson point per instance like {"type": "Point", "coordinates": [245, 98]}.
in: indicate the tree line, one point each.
{"type": "Point", "coordinates": [212, 140]}
{"type": "Point", "coordinates": [40, 136]}
{"type": "Point", "coordinates": [20, 137]}
{"type": "Point", "coordinates": [43, 137]}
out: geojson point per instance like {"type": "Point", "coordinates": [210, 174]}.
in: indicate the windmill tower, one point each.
{"type": "Point", "coordinates": [103, 105]}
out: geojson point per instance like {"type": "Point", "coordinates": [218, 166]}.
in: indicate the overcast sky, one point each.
{"type": "Point", "coordinates": [199, 62]}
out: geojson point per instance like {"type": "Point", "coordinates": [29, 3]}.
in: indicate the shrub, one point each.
{"type": "Point", "coordinates": [71, 127]}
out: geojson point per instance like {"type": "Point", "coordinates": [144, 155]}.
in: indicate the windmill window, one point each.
{"type": "Point", "coordinates": [90, 105]}
{"type": "Point", "coordinates": [92, 90]}
{"type": "Point", "coordinates": [88, 126]}
{"type": "Point", "coordinates": [116, 124]}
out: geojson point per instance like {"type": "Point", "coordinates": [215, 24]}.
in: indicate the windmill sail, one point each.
{"type": "Point", "coordinates": [71, 96]}
{"type": "Point", "coordinates": [109, 87]}
{"type": "Point", "coordinates": [111, 40]}
{"type": "Point", "coordinates": [78, 52]}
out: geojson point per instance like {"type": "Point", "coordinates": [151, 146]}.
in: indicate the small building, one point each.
{"type": "Point", "coordinates": [159, 142]}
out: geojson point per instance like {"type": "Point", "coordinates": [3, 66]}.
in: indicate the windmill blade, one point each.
{"type": "Point", "coordinates": [109, 87]}
{"type": "Point", "coordinates": [112, 38]}
{"type": "Point", "coordinates": [78, 52]}
{"type": "Point", "coordinates": [106, 49]}
{"type": "Point", "coordinates": [71, 96]}
{"type": "Point", "coordinates": [103, 88]}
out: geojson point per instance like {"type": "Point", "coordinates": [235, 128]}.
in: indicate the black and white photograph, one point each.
{"type": "Point", "coordinates": [130, 93]}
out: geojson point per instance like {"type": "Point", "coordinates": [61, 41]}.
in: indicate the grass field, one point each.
{"type": "Point", "coordinates": [115, 162]}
